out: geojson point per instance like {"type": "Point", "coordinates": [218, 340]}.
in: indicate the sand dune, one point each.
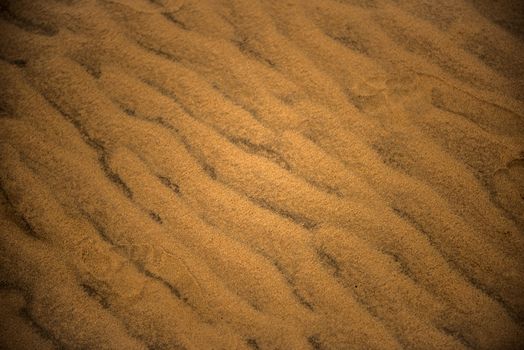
{"type": "Point", "coordinates": [264, 174]}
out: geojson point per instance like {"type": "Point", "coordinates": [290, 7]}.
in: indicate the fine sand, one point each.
{"type": "Point", "coordinates": [273, 174]}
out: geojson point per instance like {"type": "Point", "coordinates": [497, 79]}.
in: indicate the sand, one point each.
{"type": "Point", "coordinates": [269, 174]}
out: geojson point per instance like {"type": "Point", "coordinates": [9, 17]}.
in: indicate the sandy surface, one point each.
{"type": "Point", "coordinates": [261, 174]}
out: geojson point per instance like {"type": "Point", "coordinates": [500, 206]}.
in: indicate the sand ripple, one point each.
{"type": "Point", "coordinates": [261, 174]}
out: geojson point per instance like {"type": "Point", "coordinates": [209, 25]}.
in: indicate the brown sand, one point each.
{"type": "Point", "coordinates": [261, 174]}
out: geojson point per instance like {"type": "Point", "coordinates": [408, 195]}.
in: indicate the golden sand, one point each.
{"type": "Point", "coordinates": [315, 174]}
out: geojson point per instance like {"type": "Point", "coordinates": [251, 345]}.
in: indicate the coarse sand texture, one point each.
{"type": "Point", "coordinates": [261, 174]}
